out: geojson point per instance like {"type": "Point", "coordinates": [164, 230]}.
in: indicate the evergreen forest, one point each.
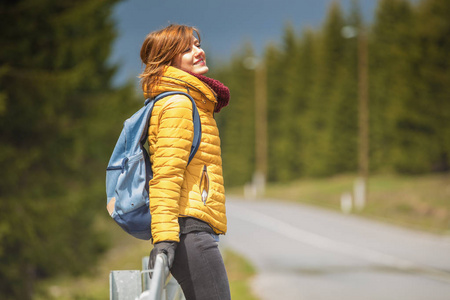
{"type": "Point", "coordinates": [313, 88]}
{"type": "Point", "coordinates": [60, 116]}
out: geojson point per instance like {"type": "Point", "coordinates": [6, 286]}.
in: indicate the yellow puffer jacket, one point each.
{"type": "Point", "coordinates": [176, 190]}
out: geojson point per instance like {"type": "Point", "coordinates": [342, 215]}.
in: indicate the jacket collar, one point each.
{"type": "Point", "coordinates": [174, 79]}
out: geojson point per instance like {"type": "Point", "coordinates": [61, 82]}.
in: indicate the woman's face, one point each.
{"type": "Point", "coordinates": [192, 59]}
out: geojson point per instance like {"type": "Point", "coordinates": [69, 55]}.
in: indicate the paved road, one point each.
{"type": "Point", "coordinates": [306, 253]}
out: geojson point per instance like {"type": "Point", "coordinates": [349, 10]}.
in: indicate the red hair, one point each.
{"type": "Point", "coordinates": [159, 50]}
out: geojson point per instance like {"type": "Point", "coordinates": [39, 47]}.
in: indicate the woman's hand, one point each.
{"type": "Point", "coordinates": [168, 248]}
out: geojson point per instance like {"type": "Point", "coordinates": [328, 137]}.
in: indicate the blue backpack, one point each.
{"type": "Point", "coordinates": [129, 170]}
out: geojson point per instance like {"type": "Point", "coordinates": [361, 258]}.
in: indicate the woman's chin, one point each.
{"type": "Point", "coordinates": [200, 70]}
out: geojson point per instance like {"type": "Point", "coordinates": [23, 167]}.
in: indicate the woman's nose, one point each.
{"type": "Point", "coordinates": [198, 51]}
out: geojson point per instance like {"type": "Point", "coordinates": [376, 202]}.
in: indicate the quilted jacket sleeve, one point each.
{"type": "Point", "coordinates": [173, 143]}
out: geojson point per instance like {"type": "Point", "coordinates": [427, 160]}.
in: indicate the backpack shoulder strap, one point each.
{"type": "Point", "coordinates": [195, 117]}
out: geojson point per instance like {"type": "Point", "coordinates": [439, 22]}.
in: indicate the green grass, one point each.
{"type": "Point", "coordinates": [420, 202]}
{"type": "Point", "coordinates": [239, 272]}
{"type": "Point", "coordinates": [125, 254]}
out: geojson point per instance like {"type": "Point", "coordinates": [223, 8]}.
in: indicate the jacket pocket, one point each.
{"type": "Point", "coordinates": [204, 184]}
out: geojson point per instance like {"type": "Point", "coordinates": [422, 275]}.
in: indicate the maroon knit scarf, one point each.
{"type": "Point", "coordinates": [223, 93]}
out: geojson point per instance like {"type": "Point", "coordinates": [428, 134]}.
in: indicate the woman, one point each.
{"type": "Point", "coordinates": [187, 200]}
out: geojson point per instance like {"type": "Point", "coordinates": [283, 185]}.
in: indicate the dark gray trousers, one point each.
{"type": "Point", "coordinates": [199, 269]}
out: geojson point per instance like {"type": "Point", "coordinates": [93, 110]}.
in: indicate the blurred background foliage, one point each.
{"type": "Point", "coordinates": [312, 82]}
{"type": "Point", "coordinates": [60, 117]}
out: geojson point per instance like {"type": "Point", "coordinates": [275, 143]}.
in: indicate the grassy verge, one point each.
{"type": "Point", "coordinates": [421, 202]}
{"type": "Point", "coordinates": [239, 274]}
{"type": "Point", "coordinates": [125, 254]}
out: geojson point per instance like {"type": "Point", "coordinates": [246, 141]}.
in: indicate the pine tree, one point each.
{"type": "Point", "coordinates": [54, 88]}
{"type": "Point", "coordinates": [330, 53]}
{"type": "Point", "coordinates": [236, 121]}
{"type": "Point", "coordinates": [432, 106]}
{"type": "Point", "coordinates": [284, 108]}
{"type": "Point", "coordinates": [392, 85]}
{"type": "Point", "coordinates": [343, 119]}
{"type": "Point", "coordinates": [303, 87]}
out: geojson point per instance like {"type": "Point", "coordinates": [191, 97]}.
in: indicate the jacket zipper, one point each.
{"type": "Point", "coordinates": [204, 184]}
